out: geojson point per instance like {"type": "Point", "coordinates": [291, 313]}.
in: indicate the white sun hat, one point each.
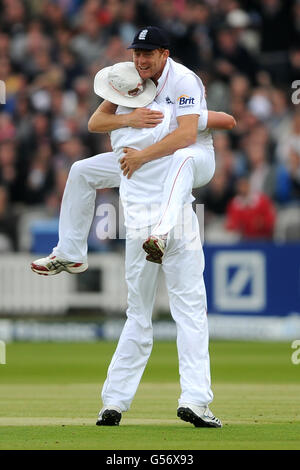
{"type": "Point", "coordinates": [121, 84]}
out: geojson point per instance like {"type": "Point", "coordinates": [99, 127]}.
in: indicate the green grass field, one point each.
{"type": "Point", "coordinates": [50, 398]}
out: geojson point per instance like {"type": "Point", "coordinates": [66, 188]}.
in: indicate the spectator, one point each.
{"type": "Point", "coordinates": [288, 180]}
{"type": "Point", "coordinates": [8, 169]}
{"type": "Point", "coordinates": [279, 123]}
{"type": "Point", "coordinates": [217, 195]}
{"type": "Point", "coordinates": [295, 25]}
{"type": "Point", "coordinates": [275, 30]}
{"type": "Point", "coordinates": [182, 28]}
{"type": "Point", "coordinates": [232, 58]}
{"type": "Point", "coordinates": [294, 172]}
{"type": "Point", "coordinates": [90, 43]}
{"type": "Point", "coordinates": [275, 25]}
{"type": "Point", "coordinates": [294, 61]}
{"type": "Point", "coordinates": [4, 45]}
{"type": "Point", "coordinates": [250, 215]}
{"type": "Point", "coordinates": [261, 178]}
{"type": "Point", "coordinates": [71, 66]}
{"type": "Point", "coordinates": [8, 223]}
{"type": "Point", "coordinates": [7, 127]}
{"type": "Point", "coordinates": [40, 175]}
{"type": "Point", "coordinates": [69, 151]}
{"type": "Point", "coordinates": [240, 87]}
{"type": "Point", "coordinates": [291, 139]}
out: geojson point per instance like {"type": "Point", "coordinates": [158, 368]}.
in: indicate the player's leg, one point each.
{"type": "Point", "coordinates": [78, 204]}
{"type": "Point", "coordinates": [183, 267]}
{"type": "Point", "coordinates": [135, 343]}
{"type": "Point", "coordinates": [189, 168]}
{"type": "Point", "coordinates": [77, 212]}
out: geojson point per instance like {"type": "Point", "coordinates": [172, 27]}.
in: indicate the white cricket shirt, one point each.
{"type": "Point", "coordinates": [179, 92]}
{"type": "Point", "coordinates": [141, 195]}
{"type": "Point", "coordinates": [183, 91]}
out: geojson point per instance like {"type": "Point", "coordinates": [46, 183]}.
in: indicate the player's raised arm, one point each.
{"type": "Point", "coordinates": [104, 118]}
{"type": "Point", "coordinates": [183, 136]}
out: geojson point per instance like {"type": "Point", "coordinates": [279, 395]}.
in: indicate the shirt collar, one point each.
{"type": "Point", "coordinates": [162, 79]}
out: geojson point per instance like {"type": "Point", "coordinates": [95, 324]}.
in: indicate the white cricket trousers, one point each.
{"type": "Point", "coordinates": [78, 203]}
{"type": "Point", "coordinates": [191, 167]}
{"type": "Point", "coordinates": [183, 266]}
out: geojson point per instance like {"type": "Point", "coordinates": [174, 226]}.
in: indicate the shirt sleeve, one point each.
{"type": "Point", "coordinates": [202, 123]}
{"type": "Point", "coordinates": [190, 97]}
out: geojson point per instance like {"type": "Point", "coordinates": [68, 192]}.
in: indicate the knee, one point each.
{"type": "Point", "coordinates": [77, 170]}
{"type": "Point", "coordinates": [181, 154]}
{"type": "Point", "coordinates": [183, 159]}
{"type": "Point", "coordinates": [141, 324]}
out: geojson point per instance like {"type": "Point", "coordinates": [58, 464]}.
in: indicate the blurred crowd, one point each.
{"type": "Point", "coordinates": [246, 52]}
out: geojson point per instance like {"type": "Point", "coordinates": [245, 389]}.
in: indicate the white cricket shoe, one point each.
{"type": "Point", "coordinates": [109, 416]}
{"type": "Point", "coordinates": [155, 247]}
{"type": "Point", "coordinates": [199, 416]}
{"type": "Point", "coordinates": [53, 265]}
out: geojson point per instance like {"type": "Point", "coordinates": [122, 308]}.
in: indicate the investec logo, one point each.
{"type": "Point", "coordinates": [185, 99]}
{"type": "Point", "coordinates": [239, 281]}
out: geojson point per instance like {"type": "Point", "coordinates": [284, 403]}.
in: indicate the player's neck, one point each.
{"type": "Point", "coordinates": [156, 77]}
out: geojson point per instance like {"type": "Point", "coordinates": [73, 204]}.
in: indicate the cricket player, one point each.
{"type": "Point", "coordinates": [183, 268]}
{"type": "Point", "coordinates": [176, 86]}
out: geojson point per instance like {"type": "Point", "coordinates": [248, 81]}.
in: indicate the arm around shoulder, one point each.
{"type": "Point", "coordinates": [104, 118]}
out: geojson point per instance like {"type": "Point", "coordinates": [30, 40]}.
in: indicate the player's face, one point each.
{"type": "Point", "coordinates": [150, 64]}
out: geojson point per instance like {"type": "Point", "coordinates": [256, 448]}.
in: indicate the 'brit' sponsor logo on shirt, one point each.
{"type": "Point", "coordinates": [185, 100]}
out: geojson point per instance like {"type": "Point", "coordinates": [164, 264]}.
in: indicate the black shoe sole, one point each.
{"type": "Point", "coordinates": [109, 418]}
{"type": "Point", "coordinates": [186, 414]}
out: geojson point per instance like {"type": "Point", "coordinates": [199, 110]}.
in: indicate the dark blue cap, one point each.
{"type": "Point", "coordinates": [150, 37]}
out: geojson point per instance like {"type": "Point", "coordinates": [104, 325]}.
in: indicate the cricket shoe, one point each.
{"type": "Point", "coordinates": [199, 416]}
{"type": "Point", "coordinates": [155, 247]}
{"type": "Point", "coordinates": [53, 265]}
{"type": "Point", "coordinates": [109, 416]}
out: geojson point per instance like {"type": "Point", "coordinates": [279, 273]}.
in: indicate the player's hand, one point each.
{"type": "Point", "coordinates": [143, 117]}
{"type": "Point", "coordinates": [131, 161]}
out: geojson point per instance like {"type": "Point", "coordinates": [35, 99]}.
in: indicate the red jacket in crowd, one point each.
{"type": "Point", "coordinates": [251, 216]}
